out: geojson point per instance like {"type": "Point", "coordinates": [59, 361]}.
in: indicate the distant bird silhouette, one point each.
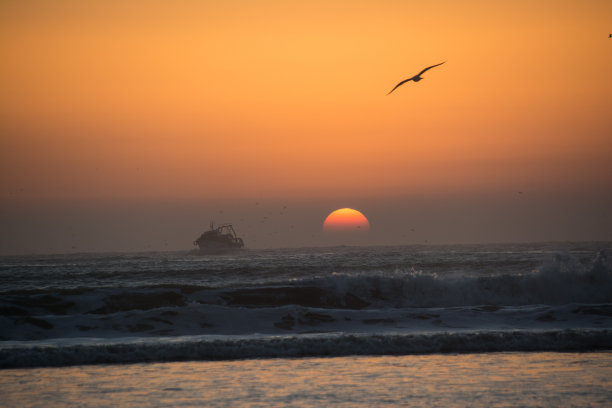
{"type": "Point", "coordinates": [415, 78]}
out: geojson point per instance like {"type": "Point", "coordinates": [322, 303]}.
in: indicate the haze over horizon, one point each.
{"type": "Point", "coordinates": [129, 126]}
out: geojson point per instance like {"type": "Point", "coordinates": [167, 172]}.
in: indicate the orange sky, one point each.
{"type": "Point", "coordinates": [190, 101]}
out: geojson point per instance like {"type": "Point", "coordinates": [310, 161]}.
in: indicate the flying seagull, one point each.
{"type": "Point", "coordinates": [415, 78]}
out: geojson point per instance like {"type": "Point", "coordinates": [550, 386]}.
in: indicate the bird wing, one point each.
{"type": "Point", "coordinates": [401, 83]}
{"type": "Point", "coordinates": [425, 70]}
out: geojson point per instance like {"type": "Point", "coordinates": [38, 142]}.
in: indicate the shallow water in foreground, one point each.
{"type": "Point", "coordinates": [459, 380]}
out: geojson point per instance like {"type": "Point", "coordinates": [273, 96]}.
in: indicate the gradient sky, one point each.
{"type": "Point", "coordinates": [129, 125]}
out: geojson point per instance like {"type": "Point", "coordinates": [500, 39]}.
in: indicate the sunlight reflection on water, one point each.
{"type": "Point", "coordinates": [495, 379]}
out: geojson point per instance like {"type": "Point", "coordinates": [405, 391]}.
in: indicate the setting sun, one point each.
{"type": "Point", "coordinates": [346, 219]}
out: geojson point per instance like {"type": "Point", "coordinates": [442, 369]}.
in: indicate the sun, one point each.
{"type": "Point", "coordinates": [346, 220]}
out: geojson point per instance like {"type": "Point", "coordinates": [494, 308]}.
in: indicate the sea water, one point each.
{"type": "Point", "coordinates": [514, 379]}
{"type": "Point", "coordinates": [390, 308]}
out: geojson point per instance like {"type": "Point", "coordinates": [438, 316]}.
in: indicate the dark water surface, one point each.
{"type": "Point", "coordinates": [127, 308]}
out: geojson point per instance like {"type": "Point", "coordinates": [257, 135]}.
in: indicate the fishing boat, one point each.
{"type": "Point", "coordinates": [218, 240]}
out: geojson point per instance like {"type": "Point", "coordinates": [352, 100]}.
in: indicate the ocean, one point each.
{"type": "Point", "coordinates": [343, 326]}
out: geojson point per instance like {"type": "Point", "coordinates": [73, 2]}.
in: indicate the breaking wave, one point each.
{"type": "Point", "coordinates": [305, 346]}
{"type": "Point", "coordinates": [561, 281]}
{"type": "Point", "coordinates": [374, 301]}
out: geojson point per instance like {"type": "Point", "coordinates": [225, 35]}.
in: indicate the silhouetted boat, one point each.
{"type": "Point", "coordinates": [218, 240]}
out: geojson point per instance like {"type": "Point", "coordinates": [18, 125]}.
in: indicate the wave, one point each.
{"type": "Point", "coordinates": [304, 346]}
{"type": "Point", "coordinates": [563, 290]}
{"type": "Point", "coordinates": [563, 280]}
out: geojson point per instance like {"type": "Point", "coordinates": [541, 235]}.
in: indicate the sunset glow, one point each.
{"type": "Point", "coordinates": [209, 105]}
